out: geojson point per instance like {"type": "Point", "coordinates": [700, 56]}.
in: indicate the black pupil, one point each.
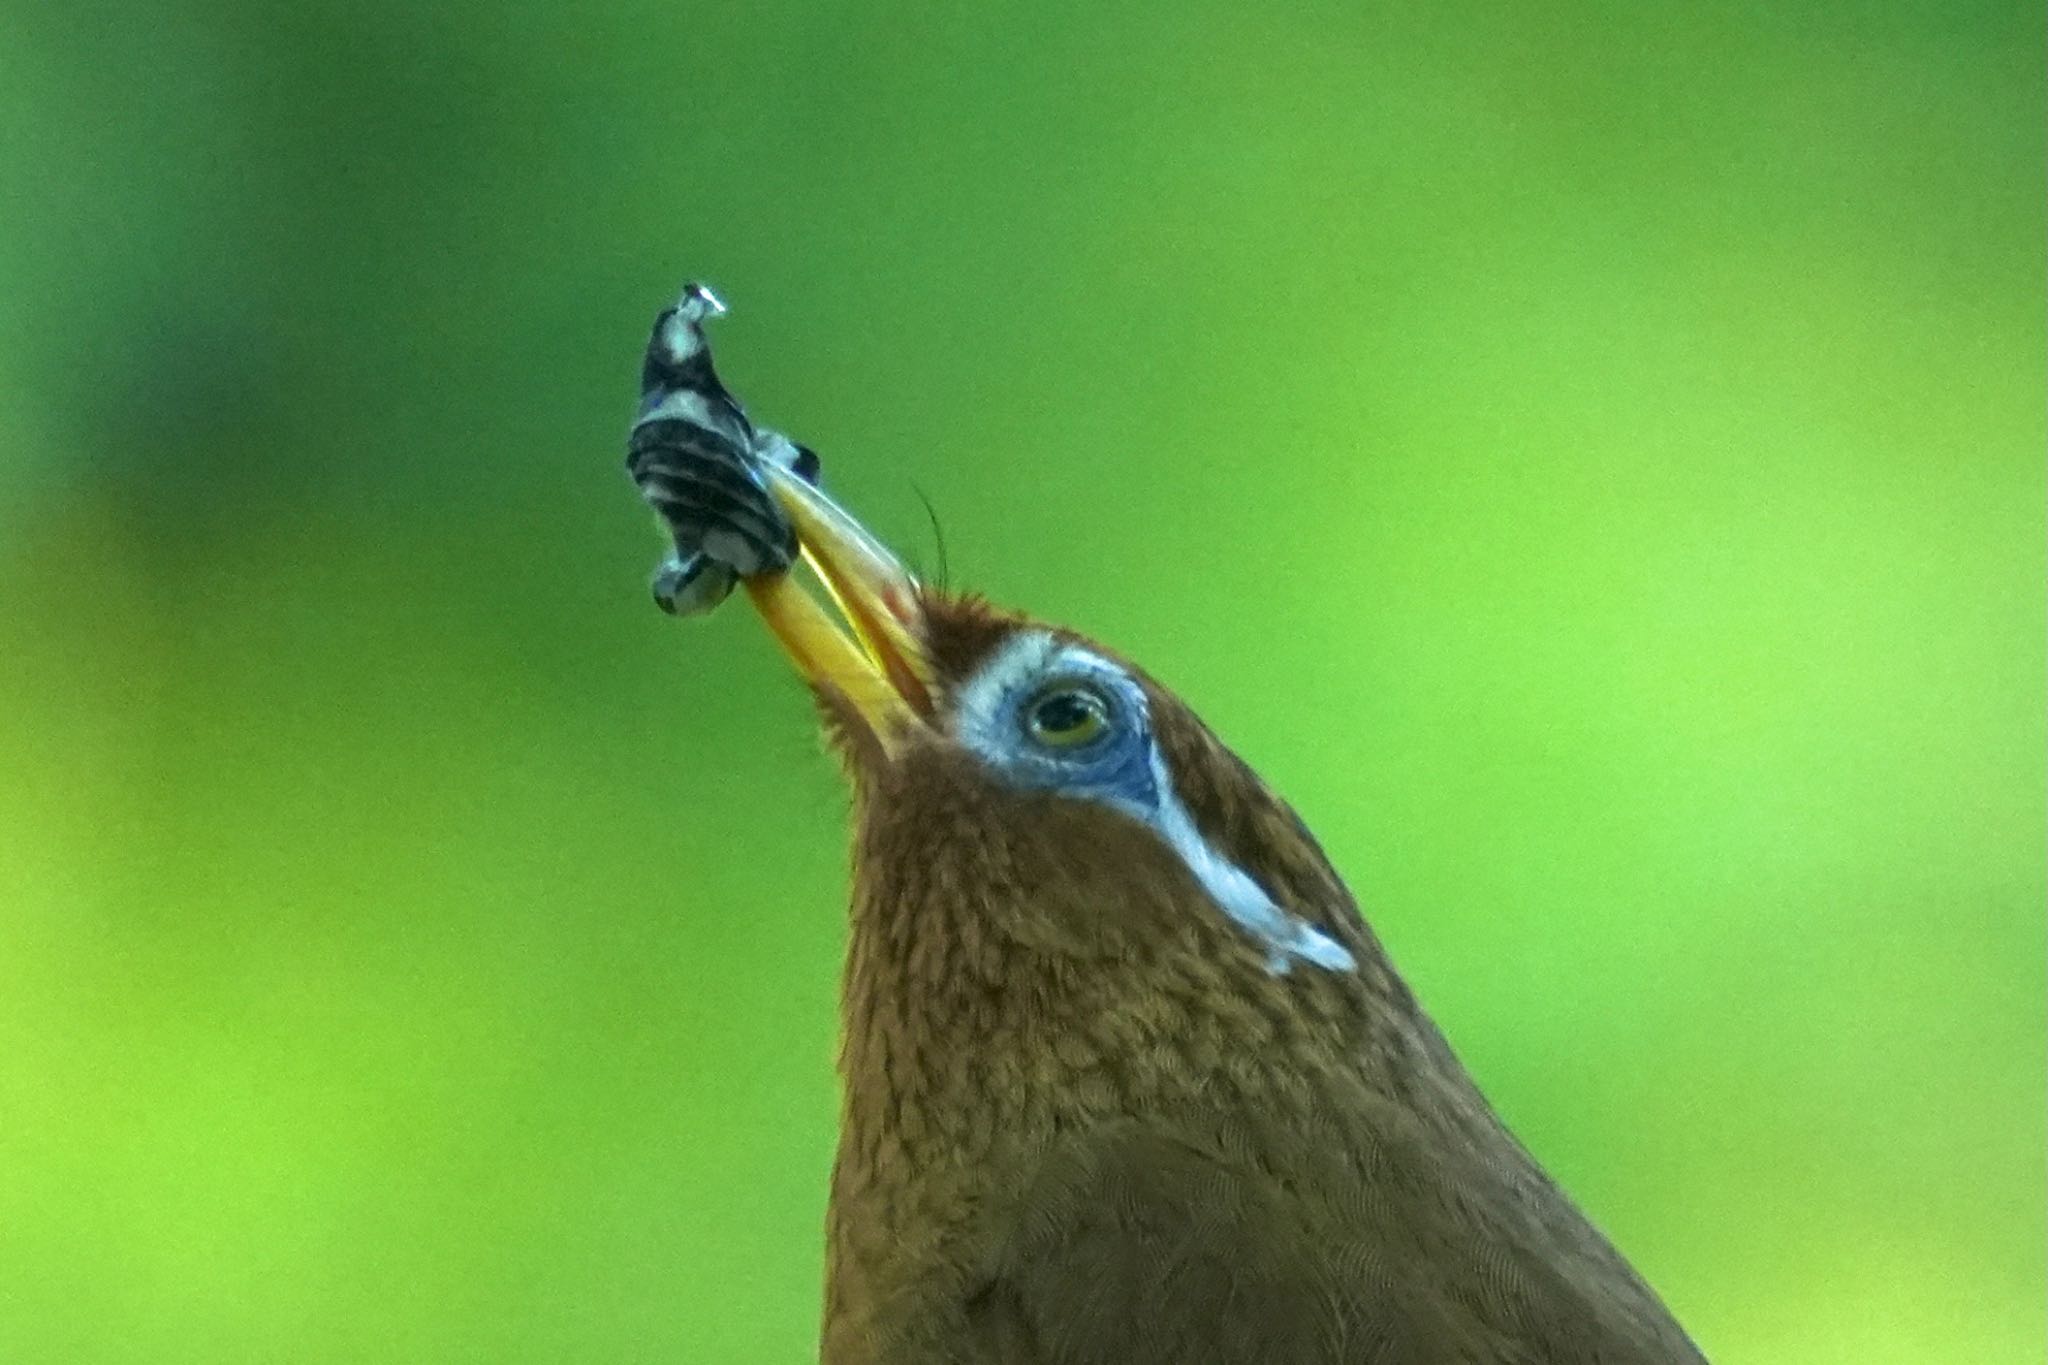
{"type": "Point", "coordinates": [1065, 712]}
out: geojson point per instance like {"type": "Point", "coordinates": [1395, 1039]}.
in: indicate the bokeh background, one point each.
{"type": "Point", "coordinates": [1588, 456]}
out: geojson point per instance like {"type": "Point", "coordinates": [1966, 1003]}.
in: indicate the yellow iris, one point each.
{"type": "Point", "coordinates": [1067, 717]}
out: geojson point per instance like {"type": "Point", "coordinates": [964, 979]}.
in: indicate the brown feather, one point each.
{"type": "Point", "coordinates": [1084, 1124]}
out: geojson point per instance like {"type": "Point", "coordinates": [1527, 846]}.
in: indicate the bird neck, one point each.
{"type": "Point", "coordinates": [959, 1042]}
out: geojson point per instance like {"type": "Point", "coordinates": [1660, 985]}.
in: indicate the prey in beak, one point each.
{"type": "Point", "coordinates": [741, 505]}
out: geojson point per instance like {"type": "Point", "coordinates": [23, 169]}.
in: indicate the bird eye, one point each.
{"type": "Point", "coordinates": [1067, 717]}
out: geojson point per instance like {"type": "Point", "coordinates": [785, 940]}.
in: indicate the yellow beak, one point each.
{"type": "Point", "coordinates": [876, 662]}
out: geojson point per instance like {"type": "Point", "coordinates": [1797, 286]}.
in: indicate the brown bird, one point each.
{"type": "Point", "coordinates": [1127, 1079]}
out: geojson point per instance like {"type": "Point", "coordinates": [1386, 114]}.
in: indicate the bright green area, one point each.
{"type": "Point", "coordinates": [1588, 456]}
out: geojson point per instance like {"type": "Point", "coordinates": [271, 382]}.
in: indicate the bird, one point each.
{"type": "Point", "coordinates": [1125, 1076]}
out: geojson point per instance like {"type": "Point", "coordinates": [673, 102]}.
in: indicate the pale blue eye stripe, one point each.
{"type": "Point", "coordinates": [1126, 773]}
{"type": "Point", "coordinates": [1286, 937]}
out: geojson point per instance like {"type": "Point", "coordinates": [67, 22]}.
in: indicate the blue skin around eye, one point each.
{"type": "Point", "coordinates": [1115, 769]}
{"type": "Point", "coordinates": [1123, 769]}
{"type": "Point", "coordinates": [1122, 773]}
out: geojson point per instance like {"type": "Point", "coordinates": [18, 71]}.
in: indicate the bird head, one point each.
{"type": "Point", "coordinates": [1053, 856]}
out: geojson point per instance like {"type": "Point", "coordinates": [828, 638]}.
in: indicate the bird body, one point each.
{"type": "Point", "coordinates": [1127, 1080]}
{"type": "Point", "coordinates": [1086, 1120]}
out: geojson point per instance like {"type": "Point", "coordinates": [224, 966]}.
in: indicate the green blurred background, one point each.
{"type": "Point", "coordinates": [1588, 456]}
